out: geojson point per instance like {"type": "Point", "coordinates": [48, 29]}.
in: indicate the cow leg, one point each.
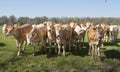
{"type": "Point", "coordinates": [98, 51]}
{"type": "Point", "coordinates": [44, 44]}
{"type": "Point", "coordinates": [55, 47]}
{"type": "Point", "coordinates": [34, 46]}
{"type": "Point", "coordinates": [50, 43]}
{"type": "Point", "coordinates": [25, 43]}
{"type": "Point", "coordinates": [58, 49]}
{"type": "Point", "coordinates": [69, 43]}
{"type": "Point", "coordinates": [20, 46]}
{"type": "Point", "coordinates": [63, 47]}
{"type": "Point", "coordinates": [17, 44]}
{"type": "Point", "coordinates": [93, 50]}
{"type": "Point", "coordinates": [90, 49]}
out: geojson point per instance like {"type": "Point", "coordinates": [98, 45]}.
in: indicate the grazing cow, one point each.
{"type": "Point", "coordinates": [4, 30]}
{"type": "Point", "coordinates": [20, 35]}
{"type": "Point", "coordinates": [95, 35]}
{"type": "Point", "coordinates": [63, 36]}
{"type": "Point", "coordinates": [38, 33]}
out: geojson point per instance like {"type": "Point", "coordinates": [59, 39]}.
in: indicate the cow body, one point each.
{"type": "Point", "coordinates": [38, 33]}
{"type": "Point", "coordinates": [20, 35]}
{"type": "Point", "coordinates": [63, 36]}
{"type": "Point", "coordinates": [95, 35]}
{"type": "Point", "coordinates": [51, 34]}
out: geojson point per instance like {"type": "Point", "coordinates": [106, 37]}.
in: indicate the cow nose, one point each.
{"type": "Point", "coordinates": [57, 36]}
{"type": "Point", "coordinates": [49, 30]}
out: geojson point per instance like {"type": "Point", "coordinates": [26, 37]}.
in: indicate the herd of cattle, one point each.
{"type": "Point", "coordinates": [62, 35]}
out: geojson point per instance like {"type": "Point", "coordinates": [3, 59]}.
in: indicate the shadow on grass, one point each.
{"type": "Point", "coordinates": [78, 52]}
{"type": "Point", "coordinates": [2, 44]}
{"type": "Point", "coordinates": [114, 54]}
{"type": "Point", "coordinates": [112, 43]}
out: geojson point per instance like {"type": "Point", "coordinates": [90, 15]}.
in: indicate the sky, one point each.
{"type": "Point", "coordinates": [60, 8]}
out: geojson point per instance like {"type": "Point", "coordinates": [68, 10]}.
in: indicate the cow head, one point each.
{"type": "Point", "coordinates": [58, 29]}
{"type": "Point", "coordinates": [10, 30]}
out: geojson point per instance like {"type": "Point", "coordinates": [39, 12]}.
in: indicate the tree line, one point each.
{"type": "Point", "coordinates": [37, 20]}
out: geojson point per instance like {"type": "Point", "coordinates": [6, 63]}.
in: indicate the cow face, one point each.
{"type": "Point", "coordinates": [10, 30]}
{"type": "Point", "coordinates": [58, 29]}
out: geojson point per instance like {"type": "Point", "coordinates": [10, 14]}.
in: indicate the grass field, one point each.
{"type": "Point", "coordinates": [74, 61]}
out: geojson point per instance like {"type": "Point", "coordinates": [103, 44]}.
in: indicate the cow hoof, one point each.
{"type": "Point", "coordinates": [22, 51]}
{"type": "Point", "coordinates": [18, 54]}
{"type": "Point", "coordinates": [34, 54]}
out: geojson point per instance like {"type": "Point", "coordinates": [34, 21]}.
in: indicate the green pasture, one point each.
{"type": "Point", "coordinates": [74, 61]}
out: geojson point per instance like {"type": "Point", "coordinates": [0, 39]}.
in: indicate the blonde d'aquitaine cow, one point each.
{"type": "Point", "coordinates": [63, 36]}
{"type": "Point", "coordinates": [51, 36]}
{"type": "Point", "coordinates": [95, 35]}
{"type": "Point", "coordinates": [37, 34]}
{"type": "Point", "coordinates": [19, 33]}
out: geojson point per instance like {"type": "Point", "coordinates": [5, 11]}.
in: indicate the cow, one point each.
{"type": "Point", "coordinates": [38, 33]}
{"type": "Point", "coordinates": [19, 33]}
{"type": "Point", "coordinates": [95, 35]}
{"type": "Point", "coordinates": [4, 30]}
{"type": "Point", "coordinates": [106, 32]}
{"type": "Point", "coordinates": [51, 35]}
{"type": "Point", "coordinates": [78, 33]}
{"type": "Point", "coordinates": [114, 30]}
{"type": "Point", "coordinates": [63, 36]}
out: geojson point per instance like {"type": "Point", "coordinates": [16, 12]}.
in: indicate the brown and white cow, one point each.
{"type": "Point", "coordinates": [63, 36]}
{"type": "Point", "coordinates": [106, 32]}
{"type": "Point", "coordinates": [78, 33]}
{"type": "Point", "coordinates": [95, 35]}
{"type": "Point", "coordinates": [38, 33]}
{"type": "Point", "coordinates": [50, 33]}
{"type": "Point", "coordinates": [19, 33]}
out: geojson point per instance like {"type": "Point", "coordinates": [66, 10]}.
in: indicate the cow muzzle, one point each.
{"type": "Point", "coordinates": [58, 36]}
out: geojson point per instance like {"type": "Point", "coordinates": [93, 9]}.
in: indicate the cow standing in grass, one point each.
{"type": "Point", "coordinates": [37, 34]}
{"type": "Point", "coordinates": [51, 34]}
{"type": "Point", "coordinates": [95, 35]}
{"type": "Point", "coordinates": [63, 36]}
{"type": "Point", "coordinates": [19, 33]}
